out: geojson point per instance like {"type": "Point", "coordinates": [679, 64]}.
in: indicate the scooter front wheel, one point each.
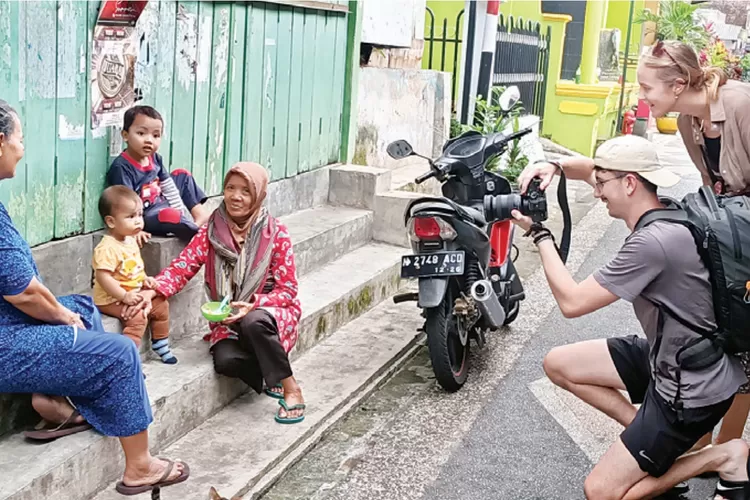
{"type": "Point", "coordinates": [450, 359]}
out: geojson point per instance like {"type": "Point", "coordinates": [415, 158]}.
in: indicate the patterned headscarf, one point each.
{"type": "Point", "coordinates": [240, 270]}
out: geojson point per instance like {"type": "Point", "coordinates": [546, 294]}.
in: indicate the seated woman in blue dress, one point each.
{"type": "Point", "coordinates": [59, 348]}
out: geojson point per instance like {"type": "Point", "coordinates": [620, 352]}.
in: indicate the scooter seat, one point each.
{"type": "Point", "coordinates": [443, 205]}
{"type": "Point", "coordinates": [472, 215]}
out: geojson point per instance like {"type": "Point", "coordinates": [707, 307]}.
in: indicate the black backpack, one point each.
{"type": "Point", "coordinates": [720, 226]}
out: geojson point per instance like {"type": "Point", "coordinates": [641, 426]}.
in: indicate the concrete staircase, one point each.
{"type": "Point", "coordinates": [347, 228]}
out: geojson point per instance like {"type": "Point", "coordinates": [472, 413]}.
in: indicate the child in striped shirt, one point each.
{"type": "Point", "coordinates": [172, 203]}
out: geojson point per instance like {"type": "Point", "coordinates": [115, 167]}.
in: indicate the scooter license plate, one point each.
{"type": "Point", "coordinates": [433, 265]}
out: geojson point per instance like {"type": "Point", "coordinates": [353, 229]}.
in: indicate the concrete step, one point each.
{"type": "Point", "coordinates": [345, 289]}
{"type": "Point", "coordinates": [385, 192]}
{"type": "Point", "coordinates": [319, 235]}
{"type": "Point", "coordinates": [185, 395]}
{"type": "Point", "coordinates": [388, 225]}
{"type": "Point", "coordinates": [323, 234]}
{"type": "Point", "coordinates": [402, 179]}
{"type": "Point", "coordinates": [389, 206]}
{"type": "Point", "coordinates": [243, 451]}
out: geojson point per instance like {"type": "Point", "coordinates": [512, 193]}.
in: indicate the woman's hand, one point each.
{"type": "Point", "coordinates": [543, 170]}
{"type": "Point", "coordinates": [68, 317]}
{"type": "Point", "coordinates": [144, 305]}
{"type": "Point", "coordinates": [150, 283]}
{"type": "Point", "coordinates": [243, 309]}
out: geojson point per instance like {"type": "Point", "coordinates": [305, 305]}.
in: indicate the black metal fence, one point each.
{"type": "Point", "coordinates": [522, 59]}
{"type": "Point", "coordinates": [448, 48]}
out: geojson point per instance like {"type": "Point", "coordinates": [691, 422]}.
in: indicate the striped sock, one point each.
{"type": "Point", "coordinates": [161, 347]}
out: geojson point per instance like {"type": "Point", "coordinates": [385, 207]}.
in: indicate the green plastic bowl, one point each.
{"type": "Point", "coordinates": [210, 311]}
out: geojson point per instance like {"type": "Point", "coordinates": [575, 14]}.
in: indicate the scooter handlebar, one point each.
{"type": "Point", "coordinates": [517, 135]}
{"type": "Point", "coordinates": [424, 177]}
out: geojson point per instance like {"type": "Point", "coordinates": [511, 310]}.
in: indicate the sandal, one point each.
{"type": "Point", "coordinates": [124, 489]}
{"type": "Point", "coordinates": [273, 394]}
{"type": "Point", "coordinates": [45, 432]}
{"type": "Point", "coordinates": [288, 409]}
{"type": "Point", "coordinates": [730, 490]}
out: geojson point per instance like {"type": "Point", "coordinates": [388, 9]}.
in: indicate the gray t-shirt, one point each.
{"type": "Point", "coordinates": [660, 263]}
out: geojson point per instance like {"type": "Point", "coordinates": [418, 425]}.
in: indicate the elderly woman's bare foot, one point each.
{"type": "Point", "coordinates": [151, 473]}
{"type": "Point", "coordinates": [292, 409]}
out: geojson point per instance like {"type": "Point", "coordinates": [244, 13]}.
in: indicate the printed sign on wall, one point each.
{"type": "Point", "coordinates": [113, 61]}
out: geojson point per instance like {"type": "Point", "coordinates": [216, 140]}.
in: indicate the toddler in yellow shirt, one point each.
{"type": "Point", "coordinates": [120, 273]}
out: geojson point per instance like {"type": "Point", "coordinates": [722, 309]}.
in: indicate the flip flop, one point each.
{"type": "Point", "coordinates": [289, 420]}
{"type": "Point", "coordinates": [42, 432]}
{"type": "Point", "coordinates": [275, 395]}
{"type": "Point", "coordinates": [126, 490]}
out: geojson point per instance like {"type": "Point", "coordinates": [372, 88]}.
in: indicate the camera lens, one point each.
{"type": "Point", "coordinates": [500, 207]}
{"type": "Point", "coordinates": [533, 204]}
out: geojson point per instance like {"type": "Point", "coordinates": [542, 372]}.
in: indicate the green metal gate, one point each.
{"type": "Point", "coordinates": [234, 80]}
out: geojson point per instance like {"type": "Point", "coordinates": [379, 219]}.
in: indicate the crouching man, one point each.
{"type": "Point", "coordinates": [657, 264]}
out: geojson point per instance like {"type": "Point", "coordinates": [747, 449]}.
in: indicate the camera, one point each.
{"type": "Point", "coordinates": [533, 204]}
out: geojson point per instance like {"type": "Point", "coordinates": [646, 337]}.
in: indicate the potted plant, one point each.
{"type": "Point", "coordinates": [675, 21]}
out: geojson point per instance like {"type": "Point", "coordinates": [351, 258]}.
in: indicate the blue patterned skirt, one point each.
{"type": "Point", "coordinates": [100, 372]}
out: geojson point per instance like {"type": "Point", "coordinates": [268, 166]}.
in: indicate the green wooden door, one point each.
{"type": "Point", "coordinates": [233, 81]}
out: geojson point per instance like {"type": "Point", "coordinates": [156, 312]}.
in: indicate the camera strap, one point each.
{"type": "Point", "coordinates": [562, 199]}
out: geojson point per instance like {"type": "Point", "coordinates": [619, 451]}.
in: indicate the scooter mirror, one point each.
{"type": "Point", "coordinates": [509, 98]}
{"type": "Point", "coordinates": [399, 149]}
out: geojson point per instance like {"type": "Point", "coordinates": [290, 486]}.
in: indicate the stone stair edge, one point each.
{"type": "Point", "coordinates": [367, 352]}
{"type": "Point", "coordinates": [204, 380]}
{"type": "Point", "coordinates": [341, 231]}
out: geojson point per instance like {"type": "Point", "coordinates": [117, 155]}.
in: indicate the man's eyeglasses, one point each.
{"type": "Point", "coordinates": [599, 185]}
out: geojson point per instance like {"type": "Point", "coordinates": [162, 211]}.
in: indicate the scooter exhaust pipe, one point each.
{"type": "Point", "coordinates": [484, 295]}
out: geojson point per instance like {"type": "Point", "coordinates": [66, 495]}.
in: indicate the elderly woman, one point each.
{"type": "Point", "coordinates": [58, 347]}
{"type": "Point", "coordinates": [248, 257]}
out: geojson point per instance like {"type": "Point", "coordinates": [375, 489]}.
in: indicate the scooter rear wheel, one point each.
{"type": "Point", "coordinates": [512, 314]}
{"type": "Point", "coordinates": [450, 359]}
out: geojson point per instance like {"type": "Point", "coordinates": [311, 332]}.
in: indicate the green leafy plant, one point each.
{"type": "Point", "coordinates": [490, 118]}
{"type": "Point", "coordinates": [456, 127]}
{"type": "Point", "coordinates": [745, 66]}
{"type": "Point", "coordinates": [517, 161]}
{"type": "Point", "coordinates": [675, 22]}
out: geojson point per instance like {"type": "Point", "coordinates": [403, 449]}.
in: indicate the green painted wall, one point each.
{"type": "Point", "coordinates": [447, 22]}
{"type": "Point", "coordinates": [529, 10]}
{"type": "Point", "coordinates": [581, 132]}
{"type": "Point", "coordinates": [259, 82]}
{"type": "Point", "coordinates": [617, 17]}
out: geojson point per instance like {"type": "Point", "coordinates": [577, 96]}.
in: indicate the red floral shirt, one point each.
{"type": "Point", "coordinates": [281, 301]}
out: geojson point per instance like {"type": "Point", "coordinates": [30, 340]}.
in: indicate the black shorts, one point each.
{"type": "Point", "coordinates": [655, 437]}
